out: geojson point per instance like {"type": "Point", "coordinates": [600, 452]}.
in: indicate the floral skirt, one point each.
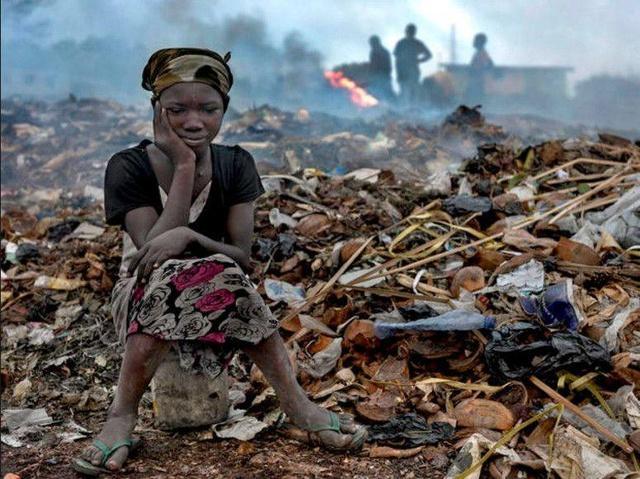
{"type": "Point", "coordinates": [206, 306]}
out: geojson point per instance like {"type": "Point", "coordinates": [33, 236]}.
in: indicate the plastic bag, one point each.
{"type": "Point", "coordinates": [463, 204]}
{"type": "Point", "coordinates": [555, 307]}
{"type": "Point", "coordinates": [410, 430]}
{"type": "Point", "coordinates": [523, 349]}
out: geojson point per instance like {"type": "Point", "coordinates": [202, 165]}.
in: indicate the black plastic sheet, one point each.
{"type": "Point", "coordinates": [523, 349]}
{"type": "Point", "coordinates": [463, 204]}
{"type": "Point", "coordinates": [58, 231]}
{"type": "Point", "coordinates": [417, 310]}
{"type": "Point", "coordinates": [410, 430]}
{"type": "Point", "coordinates": [27, 252]}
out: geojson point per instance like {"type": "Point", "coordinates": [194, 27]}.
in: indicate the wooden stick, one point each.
{"type": "Point", "coordinates": [435, 243]}
{"type": "Point", "coordinates": [388, 452]}
{"type": "Point", "coordinates": [621, 443]}
{"type": "Point", "coordinates": [318, 206]}
{"type": "Point", "coordinates": [393, 293]}
{"type": "Point", "coordinates": [325, 289]}
{"type": "Point", "coordinates": [575, 202]}
{"type": "Point", "coordinates": [13, 301]}
{"type": "Point", "coordinates": [424, 261]}
{"type": "Point", "coordinates": [345, 267]}
{"type": "Point", "coordinates": [540, 196]}
{"type": "Point", "coordinates": [567, 165]}
{"type": "Point", "coordinates": [598, 203]}
{"type": "Point", "coordinates": [574, 188]}
{"type": "Point", "coordinates": [581, 178]}
{"type": "Point", "coordinates": [398, 258]}
{"type": "Point", "coordinates": [408, 218]}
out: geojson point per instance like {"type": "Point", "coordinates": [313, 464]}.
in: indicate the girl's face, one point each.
{"type": "Point", "coordinates": [195, 112]}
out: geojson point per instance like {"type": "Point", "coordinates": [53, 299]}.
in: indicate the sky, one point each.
{"type": "Point", "coordinates": [592, 36]}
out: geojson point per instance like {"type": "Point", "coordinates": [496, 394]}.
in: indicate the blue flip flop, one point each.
{"type": "Point", "coordinates": [335, 424]}
{"type": "Point", "coordinates": [85, 467]}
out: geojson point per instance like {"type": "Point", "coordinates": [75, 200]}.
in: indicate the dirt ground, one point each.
{"type": "Point", "coordinates": [180, 455]}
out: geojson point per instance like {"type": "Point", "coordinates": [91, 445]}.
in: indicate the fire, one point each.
{"type": "Point", "coordinates": [359, 96]}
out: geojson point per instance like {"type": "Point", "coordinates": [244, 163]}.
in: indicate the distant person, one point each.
{"type": "Point", "coordinates": [481, 59]}
{"type": "Point", "coordinates": [409, 53]}
{"type": "Point", "coordinates": [379, 70]}
{"type": "Point", "coordinates": [480, 66]}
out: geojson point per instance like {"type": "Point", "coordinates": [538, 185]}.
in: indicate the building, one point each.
{"type": "Point", "coordinates": [526, 89]}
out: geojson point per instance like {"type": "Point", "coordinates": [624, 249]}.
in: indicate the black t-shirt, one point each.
{"type": "Point", "coordinates": [131, 183]}
{"type": "Point", "coordinates": [407, 52]}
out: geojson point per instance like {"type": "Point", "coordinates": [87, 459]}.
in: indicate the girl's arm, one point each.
{"type": "Point", "coordinates": [176, 209]}
{"type": "Point", "coordinates": [144, 224]}
{"type": "Point", "coordinates": [174, 242]}
{"type": "Point", "coordinates": [239, 229]}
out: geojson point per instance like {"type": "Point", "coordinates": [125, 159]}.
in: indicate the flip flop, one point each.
{"type": "Point", "coordinates": [311, 434]}
{"type": "Point", "coordinates": [85, 467]}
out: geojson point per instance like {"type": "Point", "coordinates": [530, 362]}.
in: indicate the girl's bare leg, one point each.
{"type": "Point", "coordinates": [142, 356]}
{"type": "Point", "coordinates": [270, 355]}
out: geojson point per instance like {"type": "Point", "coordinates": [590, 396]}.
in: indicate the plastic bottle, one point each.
{"type": "Point", "coordinates": [456, 320]}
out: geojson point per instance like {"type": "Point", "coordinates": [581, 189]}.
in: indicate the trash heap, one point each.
{"type": "Point", "coordinates": [66, 145]}
{"type": "Point", "coordinates": [493, 308]}
{"type": "Point", "coordinates": [290, 142]}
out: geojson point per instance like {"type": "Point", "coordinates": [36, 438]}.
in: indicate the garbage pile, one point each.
{"type": "Point", "coordinates": [291, 142]}
{"type": "Point", "coordinates": [67, 144]}
{"type": "Point", "coordinates": [494, 309]}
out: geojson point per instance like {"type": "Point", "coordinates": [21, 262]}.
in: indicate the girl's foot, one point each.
{"type": "Point", "coordinates": [118, 428]}
{"type": "Point", "coordinates": [320, 427]}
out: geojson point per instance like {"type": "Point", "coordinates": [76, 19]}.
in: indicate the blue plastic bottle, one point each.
{"type": "Point", "coordinates": [456, 320]}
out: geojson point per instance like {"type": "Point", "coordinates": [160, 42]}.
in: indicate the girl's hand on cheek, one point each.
{"type": "Point", "coordinates": [168, 141]}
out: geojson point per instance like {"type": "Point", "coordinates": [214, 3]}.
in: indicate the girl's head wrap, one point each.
{"type": "Point", "coordinates": [169, 66]}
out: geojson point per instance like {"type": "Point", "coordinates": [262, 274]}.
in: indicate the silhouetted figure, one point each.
{"type": "Point", "coordinates": [481, 65]}
{"type": "Point", "coordinates": [409, 53]}
{"type": "Point", "coordinates": [379, 70]}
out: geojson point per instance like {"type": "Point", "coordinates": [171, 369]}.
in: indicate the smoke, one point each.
{"type": "Point", "coordinates": [51, 48]}
{"type": "Point", "coordinates": [39, 60]}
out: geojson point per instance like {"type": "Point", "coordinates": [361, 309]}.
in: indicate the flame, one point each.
{"type": "Point", "coordinates": [359, 96]}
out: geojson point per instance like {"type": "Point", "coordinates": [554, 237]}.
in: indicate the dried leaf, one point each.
{"type": "Point", "coordinates": [484, 413]}
{"type": "Point", "coordinates": [470, 278]}
{"type": "Point", "coordinates": [575, 252]}
{"type": "Point", "coordinates": [379, 407]}
{"type": "Point", "coordinates": [313, 226]}
{"type": "Point", "coordinates": [360, 332]}
{"type": "Point", "coordinates": [349, 248]}
{"type": "Point", "coordinates": [22, 390]}
{"type": "Point", "coordinates": [389, 452]}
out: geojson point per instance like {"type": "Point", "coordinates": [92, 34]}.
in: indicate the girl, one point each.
{"type": "Point", "coordinates": [186, 207]}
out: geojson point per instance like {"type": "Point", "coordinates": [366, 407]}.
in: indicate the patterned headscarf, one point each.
{"type": "Point", "coordinates": [169, 66]}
